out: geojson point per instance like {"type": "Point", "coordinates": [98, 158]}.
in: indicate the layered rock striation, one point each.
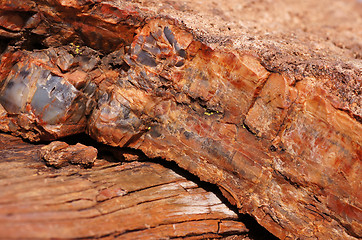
{"type": "Point", "coordinates": [282, 144]}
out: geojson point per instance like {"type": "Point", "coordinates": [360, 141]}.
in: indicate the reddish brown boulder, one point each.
{"type": "Point", "coordinates": [274, 119]}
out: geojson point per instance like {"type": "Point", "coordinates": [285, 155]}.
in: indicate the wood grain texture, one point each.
{"type": "Point", "coordinates": [133, 200]}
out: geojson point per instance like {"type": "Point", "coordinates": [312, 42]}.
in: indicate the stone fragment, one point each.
{"type": "Point", "coordinates": [130, 157]}
{"type": "Point", "coordinates": [58, 154]}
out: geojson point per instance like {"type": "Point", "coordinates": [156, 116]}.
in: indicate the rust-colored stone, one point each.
{"type": "Point", "coordinates": [275, 125]}
{"type": "Point", "coordinates": [58, 154]}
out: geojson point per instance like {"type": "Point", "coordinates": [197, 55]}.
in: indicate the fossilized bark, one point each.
{"type": "Point", "coordinates": [279, 134]}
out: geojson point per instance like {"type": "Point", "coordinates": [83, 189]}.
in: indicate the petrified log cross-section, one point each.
{"type": "Point", "coordinates": [285, 148]}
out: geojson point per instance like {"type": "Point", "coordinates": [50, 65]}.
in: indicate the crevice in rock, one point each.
{"type": "Point", "coordinates": [33, 42]}
{"type": "Point", "coordinates": [8, 30]}
{"type": "Point", "coordinates": [4, 43]}
{"type": "Point", "coordinates": [116, 154]}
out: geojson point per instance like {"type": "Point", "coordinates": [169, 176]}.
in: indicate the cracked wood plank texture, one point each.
{"type": "Point", "coordinates": [261, 98]}
{"type": "Point", "coordinates": [131, 200]}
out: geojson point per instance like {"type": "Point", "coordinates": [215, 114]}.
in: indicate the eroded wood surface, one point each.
{"type": "Point", "coordinates": [132, 200]}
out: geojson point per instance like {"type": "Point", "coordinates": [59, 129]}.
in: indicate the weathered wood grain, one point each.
{"type": "Point", "coordinates": [132, 200]}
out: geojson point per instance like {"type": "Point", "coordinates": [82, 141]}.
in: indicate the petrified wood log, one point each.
{"type": "Point", "coordinates": [273, 117]}
{"type": "Point", "coordinates": [132, 200]}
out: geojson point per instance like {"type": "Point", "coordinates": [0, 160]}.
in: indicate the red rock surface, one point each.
{"type": "Point", "coordinates": [282, 143]}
